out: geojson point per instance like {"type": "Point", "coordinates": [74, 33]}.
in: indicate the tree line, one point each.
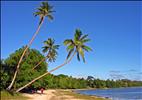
{"type": "Point", "coordinates": [51, 81]}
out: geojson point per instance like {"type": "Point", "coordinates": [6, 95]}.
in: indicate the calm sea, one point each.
{"type": "Point", "coordinates": [132, 93]}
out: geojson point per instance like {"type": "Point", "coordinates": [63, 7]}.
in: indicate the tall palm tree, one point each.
{"type": "Point", "coordinates": [51, 49]}
{"type": "Point", "coordinates": [74, 46]}
{"type": "Point", "coordinates": [45, 10]}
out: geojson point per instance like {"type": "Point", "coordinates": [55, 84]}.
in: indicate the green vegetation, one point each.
{"type": "Point", "coordinates": [52, 81]}
{"type": "Point", "coordinates": [18, 64]}
{"type": "Point", "coordinates": [77, 45]}
{"type": "Point", "coordinates": [68, 82]}
{"type": "Point", "coordinates": [97, 83]}
{"type": "Point", "coordinates": [12, 96]}
{"type": "Point", "coordinates": [51, 49]}
{"type": "Point", "coordinates": [45, 10]}
{"type": "Point", "coordinates": [29, 61]}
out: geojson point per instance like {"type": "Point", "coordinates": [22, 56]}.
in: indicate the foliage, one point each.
{"type": "Point", "coordinates": [5, 95]}
{"type": "Point", "coordinates": [45, 10]}
{"type": "Point", "coordinates": [64, 82]}
{"type": "Point", "coordinates": [68, 82]}
{"type": "Point", "coordinates": [77, 44]}
{"type": "Point", "coordinates": [4, 74]}
{"type": "Point", "coordinates": [31, 58]}
{"type": "Point", "coordinates": [51, 49]}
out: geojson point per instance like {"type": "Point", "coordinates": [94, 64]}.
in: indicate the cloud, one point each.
{"type": "Point", "coordinates": [132, 70]}
{"type": "Point", "coordinates": [117, 76]}
{"type": "Point", "coordinates": [139, 73]}
{"type": "Point", "coordinates": [80, 76]}
{"type": "Point", "coordinates": [131, 74]}
{"type": "Point", "coordinates": [114, 71]}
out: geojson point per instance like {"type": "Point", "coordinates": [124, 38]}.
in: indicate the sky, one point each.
{"type": "Point", "coordinates": [114, 28]}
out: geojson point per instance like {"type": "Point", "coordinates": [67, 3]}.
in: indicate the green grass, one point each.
{"type": "Point", "coordinates": [5, 95]}
{"type": "Point", "coordinates": [76, 95]}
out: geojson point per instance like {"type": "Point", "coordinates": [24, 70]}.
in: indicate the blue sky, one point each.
{"type": "Point", "coordinates": [113, 27]}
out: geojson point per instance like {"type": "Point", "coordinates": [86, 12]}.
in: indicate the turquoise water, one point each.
{"type": "Point", "coordinates": [132, 93]}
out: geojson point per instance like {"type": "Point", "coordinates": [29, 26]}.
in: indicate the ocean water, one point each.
{"type": "Point", "coordinates": [131, 93]}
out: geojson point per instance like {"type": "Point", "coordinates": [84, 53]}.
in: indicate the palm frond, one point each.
{"type": "Point", "coordinates": [86, 48]}
{"type": "Point", "coordinates": [77, 35]}
{"type": "Point", "coordinates": [67, 41]}
{"type": "Point", "coordinates": [71, 46]}
{"type": "Point", "coordinates": [56, 46]}
{"type": "Point", "coordinates": [78, 57]}
{"type": "Point", "coordinates": [85, 40]}
{"type": "Point", "coordinates": [50, 17]}
{"type": "Point", "coordinates": [81, 52]}
{"type": "Point", "coordinates": [45, 4]}
{"type": "Point", "coordinates": [70, 52]}
{"type": "Point", "coordinates": [84, 36]}
{"type": "Point", "coordinates": [45, 49]}
{"type": "Point", "coordinates": [51, 11]}
{"type": "Point", "coordinates": [45, 42]}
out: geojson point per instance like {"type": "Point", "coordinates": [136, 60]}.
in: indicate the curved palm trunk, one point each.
{"type": "Point", "coordinates": [15, 74]}
{"type": "Point", "coordinates": [66, 62]}
{"type": "Point", "coordinates": [39, 63]}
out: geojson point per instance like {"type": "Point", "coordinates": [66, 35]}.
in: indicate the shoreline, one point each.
{"type": "Point", "coordinates": [105, 98]}
{"type": "Point", "coordinates": [66, 94]}
{"type": "Point", "coordinates": [104, 88]}
{"type": "Point", "coordinates": [62, 94]}
{"type": "Point", "coordinates": [54, 94]}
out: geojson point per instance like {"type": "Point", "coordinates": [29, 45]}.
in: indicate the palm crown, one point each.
{"type": "Point", "coordinates": [77, 44]}
{"type": "Point", "coordinates": [45, 10]}
{"type": "Point", "coordinates": [51, 49]}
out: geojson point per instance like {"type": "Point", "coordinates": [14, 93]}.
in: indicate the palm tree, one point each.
{"type": "Point", "coordinates": [51, 48]}
{"type": "Point", "coordinates": [77, 45]}
{"type": "Point", "coordinates": [45, 10]}
{"type": "Point", "coordinates": [74, 46]}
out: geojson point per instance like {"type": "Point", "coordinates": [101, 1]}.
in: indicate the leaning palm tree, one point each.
{"type": "Point", "coordinates": [74, 46]}
{"type": "Point", "coordinates": [51, 49]}
{"type": "Point", "coordinates": [45, 10]}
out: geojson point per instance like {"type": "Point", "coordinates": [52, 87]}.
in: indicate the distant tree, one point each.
{"type": "Point", "coordinates": [76, 45]}
{"type": "Point", "coordinates": [90, 78]}
{"type": "Point", "coordinates": [45, 10]}
{"type": "Point", "coordinates": [90, 81]}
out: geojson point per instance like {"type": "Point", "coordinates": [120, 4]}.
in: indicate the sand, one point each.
{"type": "Point", "coordinates": [49, 95]}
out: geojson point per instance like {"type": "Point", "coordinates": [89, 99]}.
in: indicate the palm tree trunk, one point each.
{"type": "Point", "coordinates": [39, 63]}
{"type": "Point", "coordinates": [15, 74]}
{"type": "Point", "coordinates": [66, 62]}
